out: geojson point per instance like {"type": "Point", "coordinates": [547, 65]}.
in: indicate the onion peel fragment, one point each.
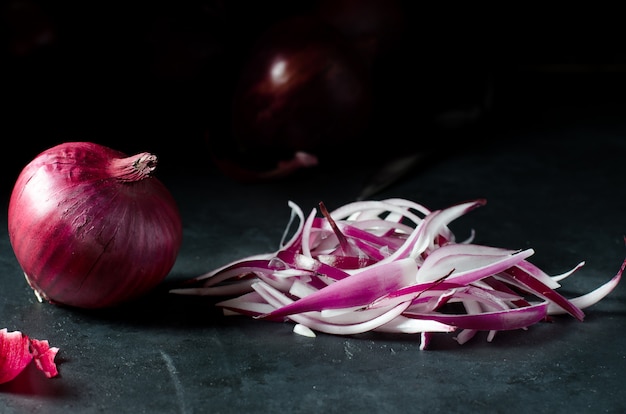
{"type": "Point", "coordinates": [391, 266]}
{"type": "Point", "coordinates": [18, 350]}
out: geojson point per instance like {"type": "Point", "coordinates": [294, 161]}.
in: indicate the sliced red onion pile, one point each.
{"type": "Point", "coordinates": [391, 266]}
{"type": "Point", "coordinates": [18, 350]}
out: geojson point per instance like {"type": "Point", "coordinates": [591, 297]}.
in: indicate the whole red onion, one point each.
{"type": "Point", "coordinates": [90, 226]}
{"type": "Point", "coordinates": [303, 89]}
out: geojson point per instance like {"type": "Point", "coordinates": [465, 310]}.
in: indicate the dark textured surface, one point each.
{"type": "Point", "coordinates": [555, 184]}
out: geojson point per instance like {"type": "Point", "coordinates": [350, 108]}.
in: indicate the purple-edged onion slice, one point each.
{"type": "Point", "coordinates": [391, 266]}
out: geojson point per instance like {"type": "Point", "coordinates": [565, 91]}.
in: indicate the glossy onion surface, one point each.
{"type": "Point", "coordinates": [91, 227]}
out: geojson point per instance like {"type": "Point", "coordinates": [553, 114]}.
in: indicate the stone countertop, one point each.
{"type": "Point", "coordinates": [556, 185]}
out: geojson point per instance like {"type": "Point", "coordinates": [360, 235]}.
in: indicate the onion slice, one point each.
{"type": "Point", "coordinates": [391, 266]}
{"type": "Point", "coordinates": [357, 290]}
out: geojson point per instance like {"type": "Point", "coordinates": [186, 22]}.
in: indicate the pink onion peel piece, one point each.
{"type": "Point", "coordinates": [18, 350]}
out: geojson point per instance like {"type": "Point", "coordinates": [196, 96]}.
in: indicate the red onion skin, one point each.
{"type": "Point", "coordinates": [90, 227]}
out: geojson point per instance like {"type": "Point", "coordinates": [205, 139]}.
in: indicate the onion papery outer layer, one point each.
{"type": "Point", "coordinates": [91, 227]}
{"type": "Point", "coordinates": [18, 350]}
{"type": "Point", "coordinates": [14, 354]}
{"type": "Point", "coordinates": [392, 266]}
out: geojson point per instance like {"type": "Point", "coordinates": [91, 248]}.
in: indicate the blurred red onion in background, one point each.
{"type": "Point", "coordinates": [303, 89]}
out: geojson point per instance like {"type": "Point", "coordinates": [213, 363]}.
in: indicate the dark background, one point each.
{"type": "Point", "coordinates": [161, 77]}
